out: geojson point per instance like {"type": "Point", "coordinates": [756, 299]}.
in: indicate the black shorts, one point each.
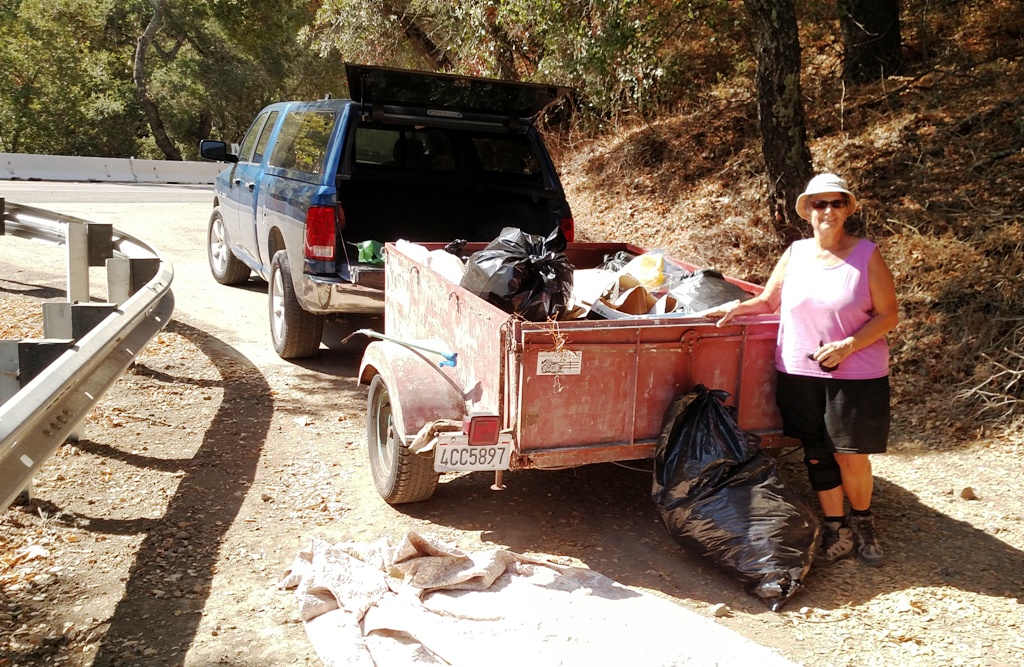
{"type": "Point", "coordinates": [844, 416]}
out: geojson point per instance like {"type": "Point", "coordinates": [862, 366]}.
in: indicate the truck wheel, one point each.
{"type": "Point", "coordinates": [399, 475]}
{"type": "Point", "coordinates": [225, 267]}
{"type": "Point", "coordinates": [296, 332]}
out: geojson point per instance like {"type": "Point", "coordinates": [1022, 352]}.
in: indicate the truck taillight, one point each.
{"type": "Point", "coordinates": [482, 429]}
{"type": "Point", "coordinates": [568, 226]}
{"type": "Point", "coordinates": [320, 232]}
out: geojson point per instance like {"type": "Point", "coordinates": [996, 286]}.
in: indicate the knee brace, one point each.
{"type": "Point", "coordinates": [822, 468]}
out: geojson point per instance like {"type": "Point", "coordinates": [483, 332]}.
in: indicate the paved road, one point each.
{"type": "Point", "coordinates": [47, 193]}
{"type": "Point", "coordinates": [264, 424]}
{"type": "Point", "coordinates": [172, 219]}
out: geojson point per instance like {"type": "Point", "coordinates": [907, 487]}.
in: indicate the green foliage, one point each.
{"type": "Point", "coordinates": [214, 63]}
{"type": "Point", "coordinates": [60, 95]}
{"type": "Point", "coordinates": [621, 56]}
{"type": "Point", "coordinates": [68, 87]}
{"type": "Point", "coordinates": [368, 31]}
{"type": "Point", "coordinates": [617, 53]}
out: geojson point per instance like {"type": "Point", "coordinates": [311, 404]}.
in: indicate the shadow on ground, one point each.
{"type": "Point", "coordinates": [180, 548]}
{"type": "Point", "coordinates": [603, 515]}
{"type": "Point", "coordinates": [31, 290]}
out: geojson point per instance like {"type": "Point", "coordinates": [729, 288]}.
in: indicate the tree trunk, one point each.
{"type": "Point", "coordinates": [436, 57]}
{"type": "Point", "coordinates": [872, 45]}
{"type": "Point", "coordinates": [504, 62]}
{"type": "Point", "coordinates": [780, 112]}
{"type": "Point", "coordinates": [163, 142]}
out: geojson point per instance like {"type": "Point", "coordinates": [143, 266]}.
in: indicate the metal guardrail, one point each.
{"type": "Point", "coordinates": [41, 416]}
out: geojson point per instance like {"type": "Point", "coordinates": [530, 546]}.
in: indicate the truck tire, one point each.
{"type": "Point", "coordinates": [225, 267]}
{"type": "Point", "coordinates": [399, 475]}
{"type": "Point", "coordinates": [296, 332]}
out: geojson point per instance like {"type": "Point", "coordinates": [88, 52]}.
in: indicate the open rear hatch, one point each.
{"type": "Point", "coordinates": [395, 94]}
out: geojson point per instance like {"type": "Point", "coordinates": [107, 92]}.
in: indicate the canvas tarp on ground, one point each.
{"type": "Point", "coordinates": [424, 603]}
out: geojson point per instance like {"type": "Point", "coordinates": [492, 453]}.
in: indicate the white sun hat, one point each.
{"type": "Point", "coordinates": [821, 184]}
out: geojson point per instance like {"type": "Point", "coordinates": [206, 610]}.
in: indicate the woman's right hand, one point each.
{"type": "Point", "coordinates": [725, 312]}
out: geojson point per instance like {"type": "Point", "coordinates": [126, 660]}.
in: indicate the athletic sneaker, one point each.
{"type": "Point", "coordinates": [863, 528]}
{"type": "Point", "coordinates": [836, 542]}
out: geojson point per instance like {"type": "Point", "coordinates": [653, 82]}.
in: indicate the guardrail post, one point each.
{"type": "Point", "coordinates": [127, 276]}
{"type": "Point", "coordinates": [73, 320]}
{"type": "Point", "coordinates": [35, 355]}
{"type": "Point", "coordinates": [20, 362]}
{"type": "Point", "coordinates": [3, 217]}
{"type": "Point", "coordinates": [100, 238]}
{"type": "Point", "coordinates": [9, 384]}
{"type": "Point", "coordinates": [77, 237]}
{"type": "Point", "coordinates": [119, 280]}
{"type": "Point", "coordinates": [143, 269]}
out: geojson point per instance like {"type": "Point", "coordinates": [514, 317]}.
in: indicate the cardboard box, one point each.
{"type": "Point", "coordinates": [635, 301]}
{"type": "Point", "coordinates": [606, 310]}
{"type": "Point", "coordinates": [665, 305]}
{"type": "Point", "coordinates": [625, 298]}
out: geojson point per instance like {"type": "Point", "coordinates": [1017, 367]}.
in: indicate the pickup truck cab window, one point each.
{"type": "Point", "coordinates": [376, 147]}
{"type": "Point", "coordinates": [507, 155]}
{"type": "Point", "coordinates": [245, 153]}
{"type": "Point", "coordinates": [412, 149]}
{"type": "Point", "coordinates": [302, 142]}
{"type": "Point", "coordinates": [268, 129]}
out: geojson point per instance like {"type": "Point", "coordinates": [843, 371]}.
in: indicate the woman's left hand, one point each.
{"type": "Point", "coordinates": [830, 355]}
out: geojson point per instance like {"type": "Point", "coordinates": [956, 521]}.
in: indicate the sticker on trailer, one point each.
{"type": "Point", "coordinates": [564, 362]}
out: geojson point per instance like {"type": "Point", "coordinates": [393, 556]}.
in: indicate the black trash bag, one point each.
{"type": "Point", "coordinates": [523, 274]}
{"type": "Point", "coordinates": [722, 499]}
{"type": "Point", "coordinates": [455, 247]}
{"type": "Point", "coordinates": [705, 289]}
{"type": "Point", "coordinates": [617, 261]}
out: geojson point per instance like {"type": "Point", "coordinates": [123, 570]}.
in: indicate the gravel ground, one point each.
{"type": "Point", "coordinates": [158, 539]}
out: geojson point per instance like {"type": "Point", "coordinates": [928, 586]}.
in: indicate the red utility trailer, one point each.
{"type": "Point", "coordinates": [541, 394]}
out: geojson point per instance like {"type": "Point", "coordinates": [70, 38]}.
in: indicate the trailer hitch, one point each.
{"type": "Point", "coordinates": [450, 358]}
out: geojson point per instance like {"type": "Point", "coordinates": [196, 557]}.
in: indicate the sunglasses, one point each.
{"type": "Point", "coordinates": [822, 204]}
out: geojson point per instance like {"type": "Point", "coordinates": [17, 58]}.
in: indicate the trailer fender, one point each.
{"type": "Point", "coordinates": [420, 391]}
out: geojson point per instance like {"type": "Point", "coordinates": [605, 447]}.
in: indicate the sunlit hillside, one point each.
{"type": "Point", "coordinates": [937, 157]}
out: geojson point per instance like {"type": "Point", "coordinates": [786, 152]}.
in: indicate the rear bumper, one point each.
{"type": "Point", "coordinates": [324, 295]}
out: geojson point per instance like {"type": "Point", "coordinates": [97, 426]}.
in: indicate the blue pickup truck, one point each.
{"type": "Point", "coordinates": [412, 155]}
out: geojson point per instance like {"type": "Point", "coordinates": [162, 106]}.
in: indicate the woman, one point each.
{"type": "Point", "coordinates": [837, 301]}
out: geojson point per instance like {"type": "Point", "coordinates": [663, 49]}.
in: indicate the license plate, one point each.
{"type": "Point", "coordinates": [454, 453]}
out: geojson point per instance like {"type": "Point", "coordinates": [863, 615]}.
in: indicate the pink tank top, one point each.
{"type": "Point", "coordinates": [824, 304]}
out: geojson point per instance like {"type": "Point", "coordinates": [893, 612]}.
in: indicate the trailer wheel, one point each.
{"type": "Point", "coordinates": [225, 267]}
{"type": "Point", "coordinates": [296, 332]}
{"type": "Point", "coordinates": [399, 475]}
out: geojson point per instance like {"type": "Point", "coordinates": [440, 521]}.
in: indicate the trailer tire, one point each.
{"type": "Point", "coordinates": [400, 475]}
{"type": "Point", "coordinates": [296, 333]}
{"type": "Point", "coordinates": [225, 267]}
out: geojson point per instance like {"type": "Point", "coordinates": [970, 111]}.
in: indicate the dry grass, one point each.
{"type": "Point", "coordinates": [20, 317]}
{"type": "Point", "coordinates": [937, 157]}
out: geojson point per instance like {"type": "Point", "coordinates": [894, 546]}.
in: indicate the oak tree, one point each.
{"type": "Point", "coordinates": [872, 44]}
{"type": "Point", "coordinates": [780, 111]}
